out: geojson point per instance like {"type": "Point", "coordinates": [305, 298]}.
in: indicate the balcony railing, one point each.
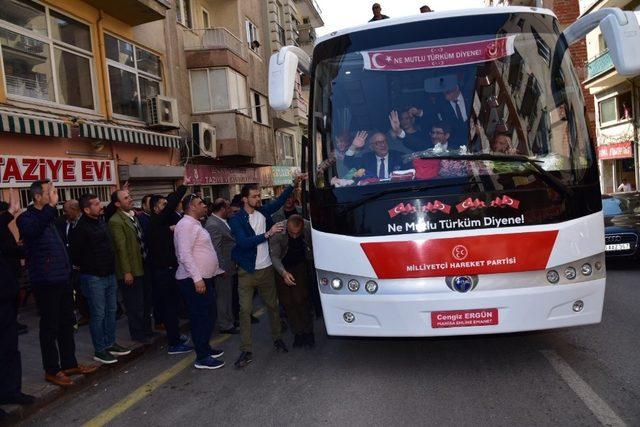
{"type": "Point", "coordinates": [599, 65]}
{"type": "Point", "coordinates": [217, 38]}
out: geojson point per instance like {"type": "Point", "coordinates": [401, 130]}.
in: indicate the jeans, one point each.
{"type": "Point", "coordinates": [137, 304]}
{"type": "Point", "coordinates": [167, 299]}
{"type": "Point", "coordinates": [202, 314]}
{"type": "Point", "coordinates": [100, 293]}
{"type": "Point", "coordinates": [11, 366]}
{"type": "Point", "coordinates": [57, 319]}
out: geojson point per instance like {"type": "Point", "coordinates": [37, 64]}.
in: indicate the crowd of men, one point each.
{"type": "Point", "coordinates": [177, 253]}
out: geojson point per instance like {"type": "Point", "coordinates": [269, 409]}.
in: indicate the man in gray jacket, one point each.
{"type": "Point", "coordinates": [223, 242]}
{"type": "Point", "coordinates": [291, 255]}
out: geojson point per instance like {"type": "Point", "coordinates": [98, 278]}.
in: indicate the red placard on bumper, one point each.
{"type": "Point", "coordinates": [463, 318]}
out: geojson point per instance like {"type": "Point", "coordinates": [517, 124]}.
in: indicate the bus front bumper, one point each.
{"type": "Point", "coordinates": [442, 314]}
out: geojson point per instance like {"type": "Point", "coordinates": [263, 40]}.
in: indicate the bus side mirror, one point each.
{"type": "Point", "coordinates": [283, 67]}
{"type": "Point", "coordinates": [621, 31]}
{"type": "Point", "coordinates": [624, 43]}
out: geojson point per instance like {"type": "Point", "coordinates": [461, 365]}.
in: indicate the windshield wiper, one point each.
{"type": "Point", "coordinates": [413, 188]}
{"type": "Point", "coordinates": [544, 175]}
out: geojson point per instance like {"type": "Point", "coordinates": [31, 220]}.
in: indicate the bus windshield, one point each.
{"type": "Point", "coordinates": [418, 110]}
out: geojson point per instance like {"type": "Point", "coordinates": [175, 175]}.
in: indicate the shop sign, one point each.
{"type": "Point", "coordinates": [21, 171]}
{"type": "Point", "coordinates": [283, 175]}
{"type": "Point", "coordinates": [219, 175]}
{"type": "Point", "coordinates": [619, 150]}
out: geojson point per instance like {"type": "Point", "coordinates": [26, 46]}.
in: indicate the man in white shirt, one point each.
{"type": "Point", "coordinates": [197, 266]}
{"type": "Point", "coordinates": [252, 227]}
{"type": "Point", "coordinates": [625, 185]}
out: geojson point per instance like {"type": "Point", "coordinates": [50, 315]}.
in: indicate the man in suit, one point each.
{"type": "Point", "coordinates": [223, 243]}
{"type": "Point", "coordinates": [452, 106]}
{"type": "Point", "coordinates": [164, 265]}
{"type": "Point", "coordinates": [11, 366]}
{"type": "Point", "coordinates": [65, 224]}
{"type": "Point", "coordinates": [131, 251]}
{"type": "Point", "coordinates": [380, 162]}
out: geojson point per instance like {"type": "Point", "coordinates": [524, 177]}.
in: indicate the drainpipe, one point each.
{"type": "Point", "coordinates": [102, 54]}
{"type": "Point", "coordinates": [634, 122]}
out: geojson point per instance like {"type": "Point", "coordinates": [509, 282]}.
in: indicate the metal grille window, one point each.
{"type": "Point", "coordinates": [70, 193]}
{"type": "Point", "coordinates": [134, 75]}
{"type": "Point", "coordinates": [46, 55]}
{"type": "Point", "coordinates": [183, 13]}
{"type": "Point", "coordinates": [259, 108]}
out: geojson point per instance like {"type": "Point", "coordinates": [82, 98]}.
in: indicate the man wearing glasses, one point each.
{"type": "Point", "coordinates": [197, 266]}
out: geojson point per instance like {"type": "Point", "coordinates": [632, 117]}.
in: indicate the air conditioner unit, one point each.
{"type": "Point", "coordinates": [162, 112]}
{"type": "Point", "coordinates": [203, 136]}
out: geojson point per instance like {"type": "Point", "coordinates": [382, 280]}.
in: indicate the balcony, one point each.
{"type": "Point", "coordinates": [311, 9]}
{"type": "Point", "coordinates": [599, 65]}
{"type": "Point", "coordinates": [133, 12]}
{"type": "Point", "coordinates": [215, 47]}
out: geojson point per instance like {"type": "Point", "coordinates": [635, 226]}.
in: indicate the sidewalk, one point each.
{"type": "Point", "coordinates": [33, 375]}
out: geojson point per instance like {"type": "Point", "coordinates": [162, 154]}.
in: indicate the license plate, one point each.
{"type": "Point", "coordinates": [618, 247]}
{"type": "Point", "coordinates": [464, 318]}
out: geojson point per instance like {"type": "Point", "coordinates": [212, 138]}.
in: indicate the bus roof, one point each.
{"type": "Point", "coordinates": [433, 15]}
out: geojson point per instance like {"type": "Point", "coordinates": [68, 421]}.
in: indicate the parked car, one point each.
{"type": "Point", "coordinates": [622, 225]}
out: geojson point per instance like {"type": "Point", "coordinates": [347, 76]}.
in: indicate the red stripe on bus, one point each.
{"type": "Point", "coordinates": [497, 253]}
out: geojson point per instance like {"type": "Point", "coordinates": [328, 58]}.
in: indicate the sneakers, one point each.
{"type": "Point", "coordinates": [208, 362]}
{"type": "Point", "coordinates": [215, 352]}
{"type": "Point", "coordinates": [280, 346]}
{"type": "Point", "coordinates": [179, 349]}
{"type": "Point", "coordinates": [118, 350]}
{"type": "Point", "coordinates": [104, 357]}
{"type": "Point", "coordinates": [245, 358]}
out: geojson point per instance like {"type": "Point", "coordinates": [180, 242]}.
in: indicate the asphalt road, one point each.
{"type": "Point", "coordinates": [580, 376]}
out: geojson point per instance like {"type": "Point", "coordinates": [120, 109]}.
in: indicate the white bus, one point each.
{"type": "Point", "coordinates": [453, 181]}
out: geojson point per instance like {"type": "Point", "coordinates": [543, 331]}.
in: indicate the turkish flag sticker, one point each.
{"type": "Point", "coordinates": [489, 254]}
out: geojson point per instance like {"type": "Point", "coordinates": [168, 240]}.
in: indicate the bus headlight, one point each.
{"type": "Point", "coordinates": [586, 269]}
{"type": "Point", "coordinates": [570, 273]}
{"type": "Point", "coordinates": [371, 287]}
{"type": "Point", "coordinates": [353, 285]}
{"type": "Point", "coordinates": [336, 284]}
{"type": "Point", "coordinates": [553, 276]}
{"type": "Point", "coordinates": [324, 281]}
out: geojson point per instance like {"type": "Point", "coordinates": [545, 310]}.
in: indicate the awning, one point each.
{"type": "Point", "coordinates": [33, 125]}
{"type": "Point", "coordinates": [119, 133]}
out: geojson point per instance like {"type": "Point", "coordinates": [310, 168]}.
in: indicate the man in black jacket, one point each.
{"type": "Point", "coordinates": [11, 367]}
{"type": "Point", "coordinates": [165, 263]}
{"type": "Point", "coordinates": [92, 253]}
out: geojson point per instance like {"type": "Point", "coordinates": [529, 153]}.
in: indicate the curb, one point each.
{"type": "Point", "coordinates": [19, 413]}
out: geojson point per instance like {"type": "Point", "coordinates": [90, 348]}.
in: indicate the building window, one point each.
{"type": "Point", "coordinates": [134, 76]}
{"type": "Point", "coordinates": [615, 109]}
{"type": "Point", "coordinates": [253, 39]}
{"type": "Point", "coordinates": [206, 23]}
{"type": "Point", "coordinates": [70, 193]}
{"type": "Point", "coordinates": [218, 89]}
{"type": "Point", "coordinates": [183, 13]}
{"type": "Point", "coordinates": [259, 108]}
{"type": "Point", "coordinates": [285, 141]}
{"type": "Point", "coordinates": [46, 55]}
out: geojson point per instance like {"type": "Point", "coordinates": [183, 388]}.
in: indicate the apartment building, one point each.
{"type": "Point", "coordinates": [86, 96]}
{"type": "Point", "coordinates": [222, 52]}
{"type": "Point", "coordinates": [616, 99]}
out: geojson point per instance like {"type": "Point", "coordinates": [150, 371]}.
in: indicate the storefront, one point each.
{"type": "Point", "coordinates": [282, 176]}
{"type": "Point", "coordinates": [80, 156]}
{"type": "Point", "coordinates": [617, 162]}
{"type": "Point", "coordinates": [219, 181]}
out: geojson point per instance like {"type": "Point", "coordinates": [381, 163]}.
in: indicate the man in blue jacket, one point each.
{"type": "Point", "coordinates": [49, 269]}
{"type": "Point", "coordinates": [252, 227]}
